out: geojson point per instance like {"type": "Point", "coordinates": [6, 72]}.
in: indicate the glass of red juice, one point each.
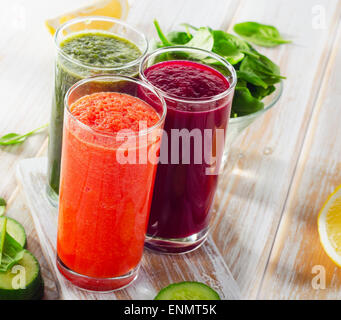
{"type": "Point", "coordinates": [198, 88]}
{"type": "Point", "coordinates": [110, 153]}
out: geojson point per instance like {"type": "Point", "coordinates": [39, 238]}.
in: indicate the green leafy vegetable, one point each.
{"type": "Point", "coordinates": [162, 37]}
{"type": "Point", "coordinates": [15, 138]}
{"type": "Point", "coordinates": [243, 102]}
{"type": "Point", "coordinates": [257, 74]}
{"type": "Point", "coordinates": [260, 34]}
{"type": "Point", "coordinates": [227, 46]}
{"type": "Point", "coordinates": [259, 92]}
{"type": "Point", "coordinates": [202, 39]}
{"type": "Point", "coordinates": [260, 72]}
{"type": "Point", "coordinates": [189, 26]}
{"type": "Point", "coordinates": [230, 47]}
{"type": "Point", "coordinates": [251, 77]}
{"type": "Point", "coordinates": [2, 206]}
{"type": "Point", "coordinates": [179, 38]}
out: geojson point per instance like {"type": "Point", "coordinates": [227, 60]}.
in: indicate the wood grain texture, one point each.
{"type": "Point", "coordinates": [26, 67]}
{"type": "Point", "coordinates": [297, 248]}
{"type": "Point", "coordinates": [171, 13]}
{"type": "Point", "coordinates": [280, 170]}
{"type": "Point", "coordinates": [252, 196]}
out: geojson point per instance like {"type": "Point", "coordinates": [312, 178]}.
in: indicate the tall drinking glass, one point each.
{"type": "Point", "coordinates": [198, 88]}
{"type": "Point", "coordinates": [86, 47]}
{"type": "Point", "coordinates": [110, 152]}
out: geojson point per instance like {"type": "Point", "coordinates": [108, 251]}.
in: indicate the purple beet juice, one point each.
{"type": "Point", "coordinates": [184, 192]}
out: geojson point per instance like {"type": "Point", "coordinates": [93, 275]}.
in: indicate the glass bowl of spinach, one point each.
{"type": "Point", "coordinates": [260, 83]}
{"type": "Point", "coordinates": [238, 124]}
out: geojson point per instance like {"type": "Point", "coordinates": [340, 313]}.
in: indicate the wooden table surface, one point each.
{"type": "Point", "coordinates": [280, 170]}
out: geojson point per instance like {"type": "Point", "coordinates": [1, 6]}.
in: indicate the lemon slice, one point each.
{"type": "Point", "coordinates": [329, 226]}
{"type": "Point", "coordinates": [110, 8]}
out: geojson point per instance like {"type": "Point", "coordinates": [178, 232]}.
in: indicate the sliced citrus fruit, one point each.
{"type": "Point", "coordinates": [329, 226]}
{"type": "Point", "coordinates": [110, 8]}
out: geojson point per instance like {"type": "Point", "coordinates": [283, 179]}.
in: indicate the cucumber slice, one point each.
{"type": "Point", "coordinates": [34, 283]}
{"type": "Point", "coordinates": [187, 291]}
{"type": "Point", "coordinates": [15, 230]}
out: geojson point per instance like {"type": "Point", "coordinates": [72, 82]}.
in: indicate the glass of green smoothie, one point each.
{"type": "Point", "coordinates": [86, 47]}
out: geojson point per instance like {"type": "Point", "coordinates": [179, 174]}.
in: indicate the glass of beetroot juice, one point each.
{"type": "Point", "coordinates": [110, 152]}
{"type": "Point", "coordinates": [198, 98]}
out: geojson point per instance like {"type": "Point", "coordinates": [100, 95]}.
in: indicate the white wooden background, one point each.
{"type": "Point", "coordinates": [281, 170]}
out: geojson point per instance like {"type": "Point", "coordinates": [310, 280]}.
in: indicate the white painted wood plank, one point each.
{"type": "Point", "coordinates": [252, 196]}
{"type": "Point", "coordinates": [297, 248]}
{"type": "Point", "coordinates": [26, 81]}
{"type": "Point", "coordinates": [171, 13]}
{"type": "Point", "coordinates": [249, 201]}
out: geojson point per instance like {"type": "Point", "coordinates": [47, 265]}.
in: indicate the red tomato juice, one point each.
{"type": "Point", "coordinates": [104, 205]}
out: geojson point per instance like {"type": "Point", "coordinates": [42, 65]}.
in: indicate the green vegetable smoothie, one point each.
{"type": "Point", "coordinates": [82, 55]}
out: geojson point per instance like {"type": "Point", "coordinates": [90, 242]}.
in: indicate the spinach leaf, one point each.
{"type": "Point", "coordinates": [2, 206]}
{"type": "Point", "coordinates": [189, 26]}
{"type": "Point", "coordinates": [244, 103]}
{"type": "Point", "coordinates": [175, 37]}
{"type": "Point", "coordinates": [251, 76]}
{"type": "Point", "coordinates": [260, 71]}
{"type": "Point", "coordinates": [202, 39]}
{"type": "Point", "coordinates": [265, 65]}
{"type": "Point", "coordinates": [260, 34]}
{"type": "Point", "coordinates": [15, 138]}
{"type": "Point", "coordinates": [161, 35]}
{"type": "Point", "coordinates": [229, 46]}
{"type": "Point", "coordinates": [172, 38]}
{"type": "Point", "coordinates": [259, 92]}
{"type": "Point", "coordinates": [179, 37]}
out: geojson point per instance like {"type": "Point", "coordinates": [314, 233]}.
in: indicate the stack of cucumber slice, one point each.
{"type": "Point", "coordinates": [30, 286]}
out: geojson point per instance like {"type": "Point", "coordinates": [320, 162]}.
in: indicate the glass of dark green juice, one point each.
{"type": "Point", "coordinates": [86, 47]}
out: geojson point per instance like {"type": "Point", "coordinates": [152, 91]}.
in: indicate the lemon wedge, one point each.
{"type": "Point", "coordinates": [329, 226]}
{"type": "Point", "coordinates": [110, 8]}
